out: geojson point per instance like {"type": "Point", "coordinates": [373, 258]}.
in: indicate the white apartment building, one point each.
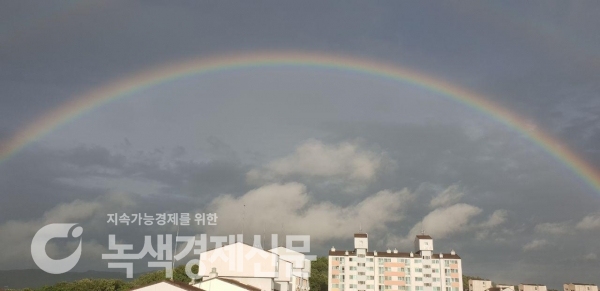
{"type": "Point", "coordinates": [279, 269]}
{"type": "Point", "coordinates": [421, 270]}
{"type": "Point", "coordinates": [532, 287]}
{"type": "Point", "coordinates": [580, 287]}
{"type": "Point", "coordinates": [504, 287]}
{"type": "Point", "coordinates": [479, 285]}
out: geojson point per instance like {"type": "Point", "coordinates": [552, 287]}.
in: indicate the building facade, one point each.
{"type": "Point", "coordinates": [580, 287]}
{"type": "Point", "coordinates": [279, 269]}
{"type": "Point", "coordinates": [421, 270]}
{"type": "Point", "coordinates": [479, 285]}
{"type": "Point", "coordinates": [505, 287]}
{"type": "Point", "coordinates": [532, 287]}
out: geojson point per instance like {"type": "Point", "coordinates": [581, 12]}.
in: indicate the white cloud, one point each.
{"type": "Point", "coordinates": [552, 228]}
{"type": "Point", "coordinates": [444, 222]}
{"type": "Point", "coordinates": [274, 207]}
{"type": "Point", "coordinates": [535, 245]}
{"type": "Point", "coordinates": [590, 257]}
{"type": "Point", "coordinates": [447, 197]}
{"type": "Point", "coordinates": [15, 233]}
{"type": "Point", "coordinates": [497, 218]}
{"type": "Point", "coordinates": [316, 159]}
{"type": "Point", "coordinates": [591, 221]}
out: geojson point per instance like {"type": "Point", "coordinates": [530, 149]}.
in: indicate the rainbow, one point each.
{"type": "Point", "coordinates": [162, 74]}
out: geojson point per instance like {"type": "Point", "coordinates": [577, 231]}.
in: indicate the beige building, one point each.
{"type": "Point", "coordinates": [422, 270]}
{"type": "Point", "coordinates": [279, 269]}
{"type": "Point", "coordinates": [168, 286]}
{"type": "Point", "coordinates": [580, 287]}
{"type": "Point", "coordinates": [504, 287]}
{"type": "Point", "coordinates": [479, 285]}
{"type": "Point", "coordinates": [532, 287]}
{"type": "Point", "coordinates": [223, 284]}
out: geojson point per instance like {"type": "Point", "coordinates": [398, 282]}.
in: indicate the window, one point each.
{"type": "Point", "coordinates": [361, 273]}
{"type": "Point", "coordinates": [418, 279]}
{"type": "Point", "coordinates": [418, 270]}
{"type": "Point", "coordinates": [361, 282]}
{"type": "Point", "coordinates": [370, 260]}
{"type": "Point", "coordinates": [418, 288]}
{"type": "Point", "coordinates": [427, 284]}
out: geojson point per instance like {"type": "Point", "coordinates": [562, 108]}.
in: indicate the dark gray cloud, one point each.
{"type": "Point", "coordinates": [180, 145]}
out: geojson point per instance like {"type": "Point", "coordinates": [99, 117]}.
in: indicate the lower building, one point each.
{"type": "Point", "coordinates": [422, 270]}
{"type": "Point", "coordinates": [532, 287]}
{"type": "Point", "coordinates": [580, 287]}
{"type": "Point", "coordinates": [479, 285]}
{"type": "Point", "coordinates": [279, 269]}
{"type": "Point", "coordinates": [505, 287]}
{"type": "Point", "coordinates": [168, 286]}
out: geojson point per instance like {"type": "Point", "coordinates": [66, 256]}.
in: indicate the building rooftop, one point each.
{"type": "Point", "coordinates": [183, 286]}
{"type": "Point", "coordinates": [234, 282]}
{"type": "Point", "coordinates": [385, 254]}
{"type": "Point", "coordinates": [423, 236]}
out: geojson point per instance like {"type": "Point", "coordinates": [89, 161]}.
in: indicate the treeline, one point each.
{"type": "Point", "coordinates": [116, 284]}
{"type": "Point", "coordinates": [318, 280]}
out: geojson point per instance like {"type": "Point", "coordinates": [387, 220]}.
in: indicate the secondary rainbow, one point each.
{"type": "Point", "coordinates": [162, 74]}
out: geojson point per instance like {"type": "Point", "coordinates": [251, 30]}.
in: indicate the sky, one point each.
{"type": "Point", "coordinates": [304, 149]}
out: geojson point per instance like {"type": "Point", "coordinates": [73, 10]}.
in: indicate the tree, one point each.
{"type": "Point", "coordinates": [319, 274]}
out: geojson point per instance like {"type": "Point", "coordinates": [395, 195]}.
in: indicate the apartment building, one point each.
{"type": "Point", "coordinates": [479, 285]}
{"type": "Point", "coordinates": [279, 269]}
{"type": "Point", "coordinates": [421, 270]}
{"type": "Point", "coordinates": [580, 287]}
{"type": "Point", "coordinates": [532, 287]}
{"type": "Point", "coordinates": [504, 287]}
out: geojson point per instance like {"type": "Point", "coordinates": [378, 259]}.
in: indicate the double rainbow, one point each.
{"type": "Point", "coordinates": [123, 88]}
